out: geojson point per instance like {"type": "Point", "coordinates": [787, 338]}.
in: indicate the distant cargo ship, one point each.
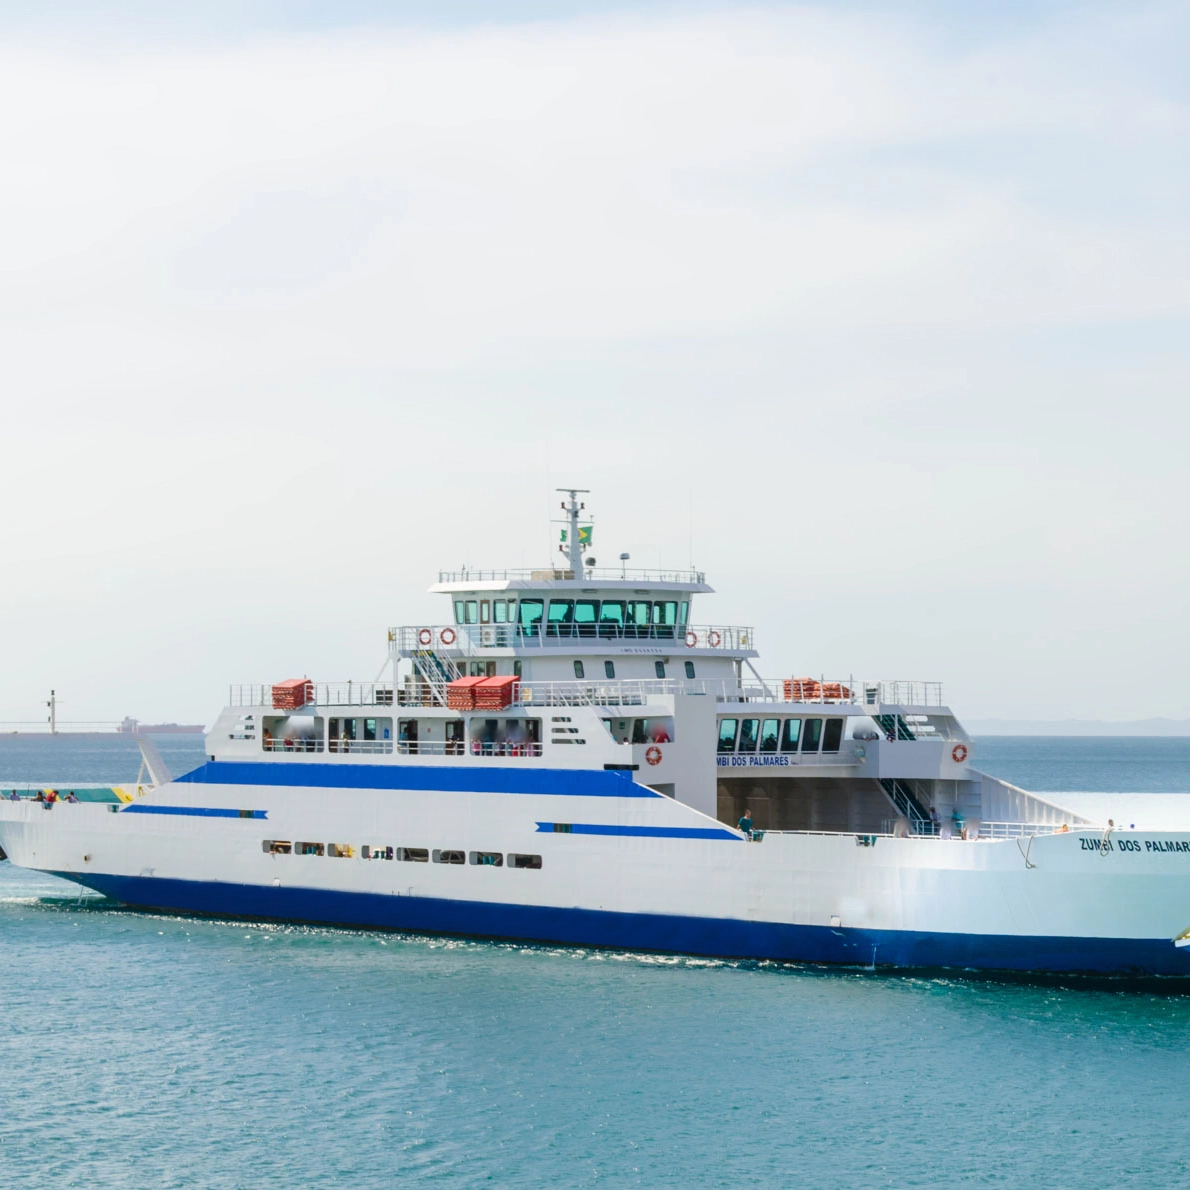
{"type": "Point", "coordinates": [132, 726]}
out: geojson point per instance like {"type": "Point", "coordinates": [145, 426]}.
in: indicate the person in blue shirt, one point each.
{"type": "Point", "coordinates": [745, 822]}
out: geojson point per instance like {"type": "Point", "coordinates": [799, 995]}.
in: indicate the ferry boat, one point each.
{"type": "Point", "coordinates": [572, 757]}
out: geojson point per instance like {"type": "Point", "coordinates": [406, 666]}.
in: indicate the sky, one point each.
{"type": "Point", "coordinates": [875, 312]}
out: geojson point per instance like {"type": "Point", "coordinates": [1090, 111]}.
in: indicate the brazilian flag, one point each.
{"type": "Point", "coordinates": [585, 533]}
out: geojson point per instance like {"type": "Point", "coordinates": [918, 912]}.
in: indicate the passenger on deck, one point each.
{"type": "Point", "coordinates": [40, 796]}
{"type": "Point", "coordinates": [745, 822]}
{"type": "Point", "coordinates": [934, 822]}
{"type": "Point", "coordinates": [71, 798]}
{"type": "Point", "coordinates": [14, 796]}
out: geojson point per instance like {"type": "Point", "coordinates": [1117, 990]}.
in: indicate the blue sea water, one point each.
{"type": "Point", "coordinates": [145, 1050]}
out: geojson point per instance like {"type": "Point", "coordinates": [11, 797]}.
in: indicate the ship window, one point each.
{"type": "Point", "coordinates": [769, 731]}
{"type": "Point", "coordinates": [790, 734]}
{"type": "Point", "coordinates": [516, 669]}
{"type": "Point", "coordinates": [638, 618]}
{"type": "Point", "coordinates": [832, 735]}
{"type": "Point", "coordinates": [278, 846]}
{"type": "Point", "coordinates": [611, 617]}
{"type": "Point", "coordinates": [659, 666]}
{"type": "Point", "coordinates": [685, 612]}
{"type": "Point", "coordinates": [749, 733]}
{"type": "Point", "coordinates": [459, 611]}
{"type": "Point", "coordinates": [413, 855]}
{"type": "Point", "coordinates": [690, 669]}
{"type": "Point", "coordinates": [499, 611]}
{"type": "Point", "coordinates": [524, 861]}
{"type": "Point", "coordinates": [485, 614]}
{"type": "Point", "coordinates": [811, 734]}
{"type": "Point", "coordinates": [448, 857]}
{"type": "Point", "coordinates": [369, 729]}
{"type": "Point", "coordinates": [578, 669]}
{"type": "Point", "coordinates": [727, 730]}
{"type": "Point", "coordinates": [531, 613]}
{"type": "Point", "coordinates": [561, 614]}
{"type": "Point", "coordinates": [487, 859]}
{"type": "Point", "coordinates": [586, 613]}
{"type": "Point", "coordinates": [562, 828]}
{"type": "Point", "coordinates": [665, 617]}
{"type": "Point", "coordinates": [472, 611]}
{"type": "Point", "coordinates": [309, 848]}
{"type": "Point", "coordinates": [609, 669]}
{"type": "Point", "coordinates": [340, 850]}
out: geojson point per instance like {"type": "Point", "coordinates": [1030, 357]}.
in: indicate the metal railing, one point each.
{"type": "Point", "coordinates": [629, 692]}
{"type": "Point", "coordinates": [326, 694]}
{"type": "Point", "coordinates": [561, 574]}
{"type": "Point", "coordinates": [843, 690]}
{"type": "Point", "coordinates": [461, 748]}
{"type": "Point", "coordinates": [468, 639]}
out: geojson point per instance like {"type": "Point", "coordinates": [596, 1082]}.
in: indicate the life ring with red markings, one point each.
{"type": "Point", "coordinates": [653, 754]}
{"type": "Point", "coordinates": [713, 639]}
{"type": "Point", "coordinates": [424, 636]}
{"type": "Point", "coordinates": [959, 753]}
{"type": "Point", "coordinates": [691, 638]}
{"type": "Point", "coordinates": [447, 636]}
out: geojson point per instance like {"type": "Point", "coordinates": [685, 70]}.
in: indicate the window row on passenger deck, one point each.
{"type": "Point", "coordinates": [414, 855]}
{"type": "Point", "coordinates": [780, 735]}
{"type": "Point", "coordinates": [659, 619]}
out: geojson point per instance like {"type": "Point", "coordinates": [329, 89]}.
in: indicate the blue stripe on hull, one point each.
{"type": "Point", "coordinates": [329, 774]}
{"type": "Point", "coordinates": [718, 937]}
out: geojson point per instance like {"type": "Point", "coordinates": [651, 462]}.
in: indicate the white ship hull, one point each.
{"type": "Point", "coordinates": [634, 870]}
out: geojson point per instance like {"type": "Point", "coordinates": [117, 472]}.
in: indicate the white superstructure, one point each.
{"type": "Point", "coordinates": [572, 756]}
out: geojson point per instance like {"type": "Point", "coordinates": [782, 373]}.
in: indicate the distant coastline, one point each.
{"type": "Point", "coordinates": [1079, 727]}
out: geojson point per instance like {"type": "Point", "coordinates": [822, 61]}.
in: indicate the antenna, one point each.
{"type": "Point", "coordinates": [573, 546]}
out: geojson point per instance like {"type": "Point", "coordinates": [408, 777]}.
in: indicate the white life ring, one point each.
{"type": "Point", "coordinates": [691, 638]}
{"type": "Point", "coordinates": [713, 639]}
{"type": "Point", "coordinates": [424, 636]}
{"type": "Point", "coordinates": [447, 636]}
{"type": "Point", "coordinates": [653, 754]}
{"type": "Point", "coordinates": [959, 753]}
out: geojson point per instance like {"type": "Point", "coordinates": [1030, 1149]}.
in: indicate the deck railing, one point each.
{"type": "Point", "coordinates": [560, 574]}
{"type": "Point", "coordinates": [470, 639]}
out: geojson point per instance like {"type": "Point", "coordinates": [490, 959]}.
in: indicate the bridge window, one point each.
{"type": "Point", "coordinates": [578, 670]}
{"type": "Point", "coordinates": [499, 611]}
{"type": "Point", "coordinates": [638, 618]}
{"type": "Point", "coordinates": [586, 613]}
{"type": "Point", "coordinates": [811, 735]}
{"type": "Point", "coordinates": [769, 731]}
{"type": "Point", "coordinates": [685, 611]}
{"type": "Point", "coordinates": [690, 669]}
{"type": "Point", "coordinates": [609, 669]}
{"type": "Point", "coordinates": [459, 611]}
{"type": "Point", "coordinates": [832, 735]}
{"type": "Point", "coordinates": [727, 733]}
{"type": "Point", "coordinates": [659, 666]}
{"type": "Point", "coordinates": [531, 612]}
{"type": "Point", "coordinates": [561, 615]}
{"type": "Point", "coordinates": [665, 618]}
{"type": "Point", "coordinates": [749, 733]}
{"type": "Point", "coordinates": [789, 735]}
{"type": "Point", "coordinates": [611, 617]}
{"type": "Point", "coordinates": [485, 614]}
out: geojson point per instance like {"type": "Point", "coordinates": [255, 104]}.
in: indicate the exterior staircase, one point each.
{"type": "Point", "coordinates": [901, 794]}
